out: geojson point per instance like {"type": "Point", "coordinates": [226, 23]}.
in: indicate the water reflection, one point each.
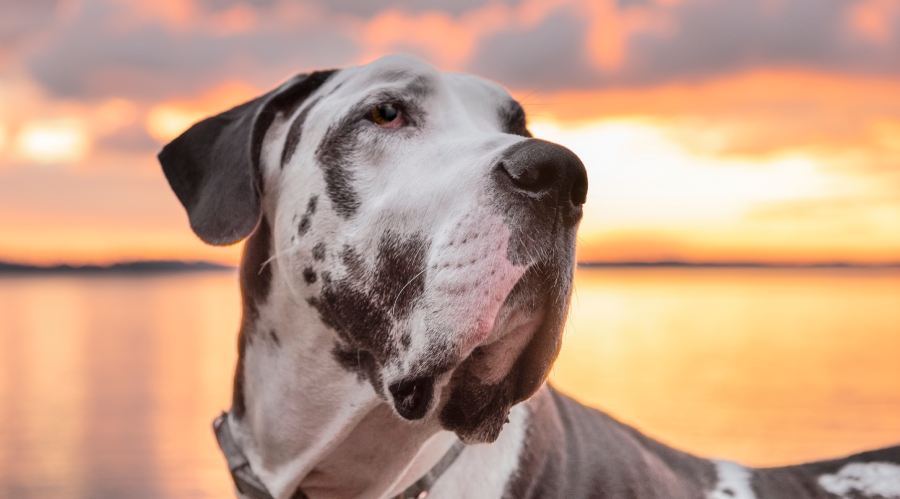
{"type": "Point", "coordinates": [763, 366]}
{"type": "Point", "coordinates": [108, 384]}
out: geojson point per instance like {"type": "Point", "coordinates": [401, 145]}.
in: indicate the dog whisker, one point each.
{"type": "Point", "coordinates": [400, 293]}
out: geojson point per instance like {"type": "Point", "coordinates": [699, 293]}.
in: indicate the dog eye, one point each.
{"type": "Point", "coordinates": [386, 115]}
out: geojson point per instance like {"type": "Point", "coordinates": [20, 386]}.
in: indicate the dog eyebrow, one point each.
{"type": "Point", "coordinates": [419, 87]}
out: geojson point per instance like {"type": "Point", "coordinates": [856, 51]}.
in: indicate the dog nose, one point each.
{"type": "Point", "coordinates": [537, 168]}
{"type": "Point", "coordinates": [412, 396]}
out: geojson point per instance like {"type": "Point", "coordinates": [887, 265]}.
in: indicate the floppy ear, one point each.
{"type": "Point", "coordinates": [213, 167]}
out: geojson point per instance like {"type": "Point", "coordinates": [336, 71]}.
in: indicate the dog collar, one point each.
{"type": "Point", "coordinates": [251, 486]}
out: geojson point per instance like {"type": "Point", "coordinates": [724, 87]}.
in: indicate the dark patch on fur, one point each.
{"type": "Point", "coordinates": [334, 155]}
{"type": "Point", "coordinates": [354, 263]}
{"type": "Point", "coordinates": [256, 283]}
{"type": "Point", "coordinates": [512, 119]}
{"type": "Point", "coordinates": [294, 132]}
{"type": "Point", "coordinates": [360, 362]}
{"type": "Point", "coordinates": [318, 252]}
{"type": "Point", "coordinates": [400, 272]}
{"type": "Point", "coordinates": [303, 226]}
{"type": "Point", "coordinates": [364, 306]}
{"type": "Point", "coordinates": [306, 220]}
{"type": "Point", "coordinates": [354, 316]}
{"type": "Point", "coordinates": [309, 275]}
{"type": "Point", "coordinates": [274, 336]}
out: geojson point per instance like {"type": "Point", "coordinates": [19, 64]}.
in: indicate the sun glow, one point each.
{"type": "Point", "coordinates": [56, 141]}
{"type": "Point", "coordinates": [652, 195]}
{"type": "Point", "coordinates": [166, 122]}
{"type": "Point", "coordinates": [642, 174]}
{"type": "Point", "coordinates": [3, 138]}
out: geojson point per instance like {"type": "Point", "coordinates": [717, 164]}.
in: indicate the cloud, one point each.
{"type": "Point", "coordinates": [130, 139]}
{"type": "Point", "coordinates": [167, 48]}
{"type": "Point", "coordinates": [540, 56]}
{"type": "Point", "coordinates": [367, 8]}
{"type": "Point", "coordinates": [690, 40]}
{"type": "Point", "coordinates": [30, 20]}
{"type": "Point", "coordinates": [102, 51]}
{"type": "Point", "coordinates": [712, 38]}
{"type": "Point", "coordinates": [153, 50]}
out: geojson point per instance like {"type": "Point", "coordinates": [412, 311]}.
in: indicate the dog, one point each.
{"type": "Point", "coordinates": [405, 279]}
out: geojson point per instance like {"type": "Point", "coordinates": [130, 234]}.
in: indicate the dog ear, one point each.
{"type": "Point", "coordinates": [213, 167]}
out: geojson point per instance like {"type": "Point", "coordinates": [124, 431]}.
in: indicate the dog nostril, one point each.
{"type": "Point", "coordinates": [533, 177]}
{"type": "Point", "coordinates": [412, 396]}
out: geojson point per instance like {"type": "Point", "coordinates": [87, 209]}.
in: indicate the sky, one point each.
{"type": "Point", "coordinates": [761, 130]}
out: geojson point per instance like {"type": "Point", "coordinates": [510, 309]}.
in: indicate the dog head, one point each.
{"type": "Point", "coordinates": [413, 214]}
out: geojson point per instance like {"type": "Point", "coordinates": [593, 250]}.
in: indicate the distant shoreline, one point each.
{"type": "Point", "coordinates": [739, 265]}
{"type": "Point", "coordinates": [176, 266]}
{"type": "Point", "coordinates": [136, 267]}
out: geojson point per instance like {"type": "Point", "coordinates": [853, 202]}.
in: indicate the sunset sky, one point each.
{"type": "Point", "coordinates": [712, 130]}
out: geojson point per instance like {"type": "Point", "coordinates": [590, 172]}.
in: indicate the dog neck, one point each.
{"type": "Point", "coordinates": [303, 420]}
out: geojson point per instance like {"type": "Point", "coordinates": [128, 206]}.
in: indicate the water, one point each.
{"type": "Point", "coordinates": [108, 384]}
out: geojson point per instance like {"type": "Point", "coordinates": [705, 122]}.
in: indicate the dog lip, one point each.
{"type": "Point", "coordinates": [487, 329]}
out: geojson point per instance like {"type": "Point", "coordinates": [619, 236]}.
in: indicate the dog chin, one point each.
{"type": "Point", "coordinates": [486, 352]}
{"type": "Point", "coordinates": [512, 363]}
{"type": "Point", "coordinates": [472, 388]}
{"type": "Point", "coordinates": [481, 391]}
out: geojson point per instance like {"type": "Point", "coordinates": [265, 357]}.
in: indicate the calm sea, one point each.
{"type": "Point", "coordinates": [108, 384]}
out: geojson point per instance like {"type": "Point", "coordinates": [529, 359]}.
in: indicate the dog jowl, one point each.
{"type": "Point", "coordinates": [409, 213]}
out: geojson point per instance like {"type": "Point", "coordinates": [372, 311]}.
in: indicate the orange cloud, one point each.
{"type": "Point", "coordinates": [612, 26]}
{"type": "Point", "coordinates": [445, 40]}
{"type": "Point", "coordinates": [433, 33]}
{"type": "Point", "coordinates": [872, 20]}
{"type": "Point", "coordinates": [167, 120]}
{"type": "Point", "coordinates": [175, 13]}
{"type": "Point", "coordinates": [752, 113]}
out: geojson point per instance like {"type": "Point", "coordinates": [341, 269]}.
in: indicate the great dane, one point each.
{"type": "Point", "coordinates": [406, 275]}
